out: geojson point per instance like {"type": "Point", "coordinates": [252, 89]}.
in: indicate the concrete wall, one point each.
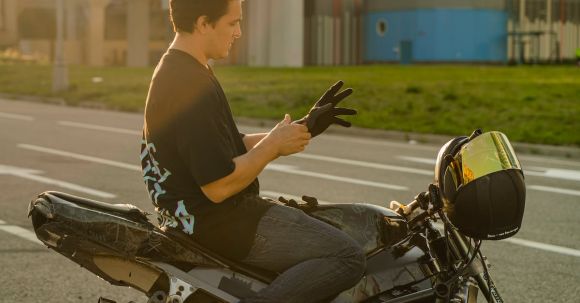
{"type": "Point", "coordinates": [138, 33]}
{"type": "Point", "coordinates": [8, 24]}
{"type": "Point", "coordinates": [275, 33]}
{"type": "Point", "coordinates": [96, 32]}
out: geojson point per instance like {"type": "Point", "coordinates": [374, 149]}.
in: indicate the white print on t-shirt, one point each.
{"type": "Point", "coordinates": [152, 171]}
{"type": "Point", "coordinates": [186, 219]}
{"type": "Point", "coordinates": [166, 219]}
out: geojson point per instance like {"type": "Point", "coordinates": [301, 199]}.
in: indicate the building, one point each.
{"type": "Point", "coordinates": [309, 32]}
{"type": "Point", "coordinates": [97, 32]}
{"type": "Point", "coordinates": [435, 31]}
{"type": "Point", "coordinates": [543, 30]}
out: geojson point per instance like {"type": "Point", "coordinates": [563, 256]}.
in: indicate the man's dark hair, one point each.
{"type": "Point", "coordinates": [184, 13]}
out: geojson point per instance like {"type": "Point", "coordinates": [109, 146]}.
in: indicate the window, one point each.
{"type": "Point", "coordinates": [382, 27]}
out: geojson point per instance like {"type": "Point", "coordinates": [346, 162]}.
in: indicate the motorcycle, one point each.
{"type": "Point", "coordinates": [410, 256]}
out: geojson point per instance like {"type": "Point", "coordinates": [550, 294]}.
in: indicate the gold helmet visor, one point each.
{"type": "Point", "coordinates": [488, 153]}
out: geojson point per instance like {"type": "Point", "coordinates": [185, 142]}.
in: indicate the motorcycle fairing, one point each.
{"type": "Point", "coordinates": [389, 275]}
{"type": "Point", "coordinates": [86, 233]}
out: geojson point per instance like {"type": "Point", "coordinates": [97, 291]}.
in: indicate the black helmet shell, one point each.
{"type": "Point", "coordinates": [482, 186]}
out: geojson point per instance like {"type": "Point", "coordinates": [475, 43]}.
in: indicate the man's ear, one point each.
{"type": "Point", "coordinates": [202, 24]}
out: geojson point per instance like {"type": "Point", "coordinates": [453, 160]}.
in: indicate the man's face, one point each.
{"type": "Point", "coordinates": [227, 29]}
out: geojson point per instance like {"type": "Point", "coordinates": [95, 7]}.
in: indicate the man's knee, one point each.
{"type": "Point", "coordinates": [356, 261]}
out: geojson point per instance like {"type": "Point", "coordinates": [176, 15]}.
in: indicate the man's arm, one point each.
{"type": "Point", "coordinates": [250, 140]}
{"type": "Point", "coordinates": [284, 139]}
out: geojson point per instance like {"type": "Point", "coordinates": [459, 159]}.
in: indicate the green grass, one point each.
{"type": "Point", "coordinates": [537, 104]}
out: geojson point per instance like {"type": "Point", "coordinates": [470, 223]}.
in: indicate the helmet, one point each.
{"type": "Point", "coordinates": [482, 185]}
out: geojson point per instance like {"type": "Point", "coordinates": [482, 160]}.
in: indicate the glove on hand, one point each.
{"type": "Point", "coordinates": [324, 113]}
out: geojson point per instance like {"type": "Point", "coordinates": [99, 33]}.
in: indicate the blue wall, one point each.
{"type": "Point", "coordinates": [439, 35]}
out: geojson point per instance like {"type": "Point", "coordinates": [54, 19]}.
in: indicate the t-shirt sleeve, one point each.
{"type": "Point", "coordinates": [202, 138]}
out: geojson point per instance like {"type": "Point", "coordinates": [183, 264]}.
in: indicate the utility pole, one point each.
{"type": "Point", "coordinates": [522, 28]}
{"type": "Point", "coordinates": [550, 29]}
{"type": "Point", "coordinates": [60, 72]}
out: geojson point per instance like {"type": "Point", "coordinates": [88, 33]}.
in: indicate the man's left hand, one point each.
{"type": "Point", "coordinates": [324, 113]}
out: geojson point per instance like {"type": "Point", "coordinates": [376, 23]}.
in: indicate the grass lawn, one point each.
{"type": "Point", "coordinates": [535, 104]}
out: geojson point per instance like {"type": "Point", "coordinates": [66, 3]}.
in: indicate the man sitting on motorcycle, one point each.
{"type": "Point", "coordinates": [201, 173]}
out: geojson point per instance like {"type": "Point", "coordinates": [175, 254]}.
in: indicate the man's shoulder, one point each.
{"type": "Point", "coordinates": [181, 79]}
{"type": "Point", "coordinates": [176, 68]}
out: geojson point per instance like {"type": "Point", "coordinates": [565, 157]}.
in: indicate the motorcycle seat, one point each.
{"type": "Point", "coordinates": [134, 213]}
{"type": "Point", "coordinates": [126, 210]}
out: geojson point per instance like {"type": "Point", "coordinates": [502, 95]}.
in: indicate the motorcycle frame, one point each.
{"type": "Point", "coordinates": [420, 213]}
{"type": "Point", "coordinates": [147, 276]}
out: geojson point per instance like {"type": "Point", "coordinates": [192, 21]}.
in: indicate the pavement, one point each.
{"type": "Point", "coordinates": [571, 152]}
{"type": "Point", "coordinates": [95, 154]}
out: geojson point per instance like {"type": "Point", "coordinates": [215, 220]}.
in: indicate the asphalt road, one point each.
{"type": "Point", "coordinates": [95, 154]}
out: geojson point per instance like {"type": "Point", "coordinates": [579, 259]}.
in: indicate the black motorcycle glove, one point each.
{"type": "Point", "coordinates": [324, 113]}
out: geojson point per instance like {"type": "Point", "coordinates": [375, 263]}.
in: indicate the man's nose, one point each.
{"type": "Point", "coordinates": [238, 32]}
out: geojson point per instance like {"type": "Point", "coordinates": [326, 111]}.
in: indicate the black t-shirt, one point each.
{"type": "Point", "coordinates": [190, 140]}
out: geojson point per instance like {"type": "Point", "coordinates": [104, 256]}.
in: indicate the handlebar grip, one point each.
{"type": "Point", "coordinates": [404, 210]}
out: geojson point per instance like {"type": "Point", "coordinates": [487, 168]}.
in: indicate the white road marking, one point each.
{"type": "Point", "coordinates": [411, 144]}
{"type": "Point", "coordinates": [365, 164]}
{"type": "Point", "coordinates": [100, 127]}
{"type": "Point", "coordinates": [551, 173]}
{"type": "Point", "coordinates": [379, 142]}
{"type": "Point", "coordinates": [80, 157]}
{"type": "Point", "coordinates": [31, 175]}
{"type": "Point", "coordinates": [305, 156]}
{"type": "Point", "coordinates": [295, 171]}
{"type": "Point", "coordinates": [554, 173]}
{"type": "Point", "coordinates": [548, 160]}
{"type": "Point", "coordinates": [273, 167]}
{"type": "Point", "coordinates": [16, 117]}
{"type": "Point", "coordinates": [546, 247]}
{"type": "Point", "coordinates": [566, 174]}
{"type": "Point", "coordinates": [20, 232]}
{"type": "Point", "coordinates": [532, 244]}
{"type": "Point", "coordinates": [554, 190]}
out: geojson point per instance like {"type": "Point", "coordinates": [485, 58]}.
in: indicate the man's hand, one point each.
{"type": "Point", "coordinates": [288, 138]}
{"type": "Point", "coordinates": [324, 113]}
{"type": "Point", "coordinates": [283, 140]}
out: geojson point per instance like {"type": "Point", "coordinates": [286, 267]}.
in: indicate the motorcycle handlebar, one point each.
{"type": "Point", "coordinates": [404, 210]}
{"type": "Point", "coordinates": [422, 201]}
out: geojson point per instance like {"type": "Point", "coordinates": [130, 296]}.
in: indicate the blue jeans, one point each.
{"type": "Point", "coordinates": [317, 260]}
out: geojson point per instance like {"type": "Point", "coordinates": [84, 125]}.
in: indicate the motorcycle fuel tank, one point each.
{"type": "Point", "coordinates": [372, 226]}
